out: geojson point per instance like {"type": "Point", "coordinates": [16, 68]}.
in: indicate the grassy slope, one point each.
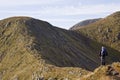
{"type": "Point", "coordinates": [104, 73]}
{"type": "Point", "coordinates": [106, 31]}
{"type": "Point", "coordinates": [26, 45]}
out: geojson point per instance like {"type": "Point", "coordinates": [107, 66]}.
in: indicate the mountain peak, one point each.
{"type": "Point", "coordinates": [17, 18]}
{"type": "Point", "coordinates": [21, 18]}
{"type": "Point", "coordinates": [84, 23]}
{"type": "Point", "coordinates": [32, 49]}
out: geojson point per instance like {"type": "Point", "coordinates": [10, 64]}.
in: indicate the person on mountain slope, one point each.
{"type": "Point", "coordinates": [103, 53]}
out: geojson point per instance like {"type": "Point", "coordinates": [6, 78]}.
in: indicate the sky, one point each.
{"type": "Point", "coordinates": [60, 13]}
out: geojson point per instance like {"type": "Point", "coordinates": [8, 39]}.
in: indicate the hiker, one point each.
{"type": "Point", "coordinates": [103, 54]}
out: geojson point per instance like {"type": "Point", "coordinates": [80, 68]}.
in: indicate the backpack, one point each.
{"type": "Point", "coordinates": [103, 52]}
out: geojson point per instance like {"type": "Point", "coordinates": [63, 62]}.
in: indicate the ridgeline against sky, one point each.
{"type": "Point", "coordinates": [61, 13]}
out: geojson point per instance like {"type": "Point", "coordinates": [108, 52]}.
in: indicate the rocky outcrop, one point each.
{"type": "Point", "coordinates": [108, 72]}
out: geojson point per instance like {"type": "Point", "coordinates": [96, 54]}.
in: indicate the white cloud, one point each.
{"type": "Point", "coordinates": [70, 10]}
{"type": "Point", "coordinates": [26, 2]}
{"type": "Point", "coordinates": [52, 10]}
{"type": "Point", "coordinates": [82, 10]}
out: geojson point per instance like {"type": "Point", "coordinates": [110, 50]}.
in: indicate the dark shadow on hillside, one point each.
{"type": "Point", "coordinates": [65, 48]}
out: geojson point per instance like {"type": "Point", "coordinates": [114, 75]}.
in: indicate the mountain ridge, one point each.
{"type": "Point", "coordinates": [106, 30]}
{"type": "Point", "coordinates": [31, 48]}
{"type": "Point", "coordinates": [84, 23]}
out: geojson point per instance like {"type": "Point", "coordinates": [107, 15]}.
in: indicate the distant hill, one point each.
{"type": "Point", "coordinates": [32, 49]}
{"type": "Point", "coordinates": [106, 31]}
{"type": "Point", "coordinates": [84, 23]}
